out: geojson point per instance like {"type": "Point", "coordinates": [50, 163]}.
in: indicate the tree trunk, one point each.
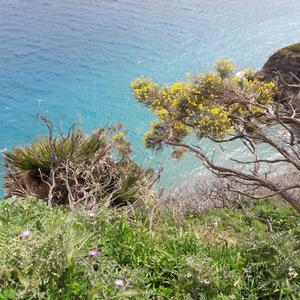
{"type": "Point", "coordinates": [295, 202]}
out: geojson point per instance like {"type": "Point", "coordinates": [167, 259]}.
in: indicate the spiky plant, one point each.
{"type": "Point", "coordinates": [76, 168]}
{"type": "Point", "coordinates": [43, 153]}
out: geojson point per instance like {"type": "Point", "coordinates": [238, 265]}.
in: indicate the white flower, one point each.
{"type": "Point", "coordinates": [26, 234]}
{"type": "Point", "coordinates": [119, 283]}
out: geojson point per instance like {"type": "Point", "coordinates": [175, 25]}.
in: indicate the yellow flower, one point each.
{"type": "Point", "coordinates": [118, 135]}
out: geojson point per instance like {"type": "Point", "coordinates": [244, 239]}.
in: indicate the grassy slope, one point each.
{"type": "Point", "coordinates": [221, 254]}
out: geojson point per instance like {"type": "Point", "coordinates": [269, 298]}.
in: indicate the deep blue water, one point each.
{"type": "Point", "coordinates": [75, 59]}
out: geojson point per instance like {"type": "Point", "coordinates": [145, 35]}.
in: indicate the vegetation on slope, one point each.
{"type": "Point", "coordinates": [116, 242]}
{"type": "Point", "coordinates": [226, 108]}
{"type": "Point", "coordinates": [55, 253]}
{"type": "Point", "coordinates": [77, 168]}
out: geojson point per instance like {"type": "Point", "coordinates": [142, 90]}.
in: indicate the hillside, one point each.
{"type": "Point", "coordinates": [53, 253]}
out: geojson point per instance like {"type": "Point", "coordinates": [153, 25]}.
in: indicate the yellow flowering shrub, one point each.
{"type": "Point", "coordinates": [144, 89]}
{"type": "Point", "coordinates": [209, 105]}
{"type": "Point", "coordinates": [225, 68]}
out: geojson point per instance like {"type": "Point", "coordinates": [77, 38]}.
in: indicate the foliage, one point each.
{"type": "Point", "coordinates": [225, 68]}
{"type": "Point", "coordinates": [76, 168]}
{"type": "Point", "coordinates": [203, 105]}
{"type": "Point", "coordinates": [226, 108]}
{"type": "Point", "coordinates": [221, 254]}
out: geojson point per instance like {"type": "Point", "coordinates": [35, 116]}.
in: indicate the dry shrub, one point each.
{"type": "Point", "coordinates": [201, 192]}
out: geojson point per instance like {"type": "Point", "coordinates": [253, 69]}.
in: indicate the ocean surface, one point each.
{"type": "Point", "coordinates": [75, 59]}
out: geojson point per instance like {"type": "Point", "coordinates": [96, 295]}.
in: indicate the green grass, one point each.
{"type": "Point", "coordinates": [220, 254]}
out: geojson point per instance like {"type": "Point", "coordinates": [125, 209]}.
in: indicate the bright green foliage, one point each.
{"type": "Point", "coordinates": [209, 105]}
{"type": "Point", "coordinates": [221, 254]}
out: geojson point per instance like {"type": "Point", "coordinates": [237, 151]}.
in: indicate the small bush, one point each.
{"type": "Point", "coordinates": [76, 168]}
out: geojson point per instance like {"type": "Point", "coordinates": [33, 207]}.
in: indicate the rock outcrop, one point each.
{"type": "Point", "coordinates": [284, 67]}
{"type": "Point", "coordinates": [286, 62]}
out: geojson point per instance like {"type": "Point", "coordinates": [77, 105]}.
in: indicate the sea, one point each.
{"type": "Point", "coordinates": [74, 60]}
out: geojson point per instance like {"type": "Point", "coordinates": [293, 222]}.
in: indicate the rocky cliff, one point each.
{"type": "Point", "coordinates": [286, 62]}
{"type": "Point", "coordinates": [284, 67]}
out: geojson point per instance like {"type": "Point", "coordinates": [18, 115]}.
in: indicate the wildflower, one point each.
{"type": "Point", "coordinates": [118, 136]}
{"type": "Point", "coordinates": [119, 283]}
{"type": "Point", "coordinates": [94, 253]}
{"type": "Point", "coordinates": [26, 234]}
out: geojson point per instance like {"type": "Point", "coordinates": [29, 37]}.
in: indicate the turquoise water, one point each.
{"type": "Point", "coordinates": [75, 59]}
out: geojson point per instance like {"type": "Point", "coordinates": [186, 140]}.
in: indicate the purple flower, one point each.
{"type": "Point", "coordinates": [26, 234]}
{"type": "Point", "coordinates": [94, 253]}
{"type": "Point", "coordinates": [119, 283]}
